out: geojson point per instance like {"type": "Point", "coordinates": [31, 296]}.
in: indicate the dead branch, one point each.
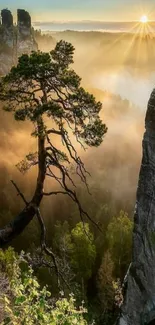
{"type": "Point", "coordinates": [19, 192]}
{"type": "Point", "coordinates": [43, 243]}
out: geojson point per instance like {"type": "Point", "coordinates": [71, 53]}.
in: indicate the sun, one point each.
{"type": "Point", "coordinates": [144, 19]}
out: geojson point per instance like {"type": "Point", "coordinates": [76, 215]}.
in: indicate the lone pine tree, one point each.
{"type": "Point", "coordinates": [45, 90]}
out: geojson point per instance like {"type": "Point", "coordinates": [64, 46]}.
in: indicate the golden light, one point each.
{"type": "Point", "coordinates": [144, 19]}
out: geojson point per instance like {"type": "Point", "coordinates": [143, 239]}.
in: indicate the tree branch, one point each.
{"type": "Point", "coordinates": [43, 243]}
{"type": "Point", "coordinates": [19, 192]}
{"type": "Point", "coordinates": [53, 131]}
{"type": "Point", "coordinates": [55, 193]}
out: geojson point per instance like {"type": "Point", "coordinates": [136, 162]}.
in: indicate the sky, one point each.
{"type": "Point", "coordinates": [77, 10]}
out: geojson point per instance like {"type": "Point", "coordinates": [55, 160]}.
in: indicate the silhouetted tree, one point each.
{"type": "Point", "coordinates": [43, 89]}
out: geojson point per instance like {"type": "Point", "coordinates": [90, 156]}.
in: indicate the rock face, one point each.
{"type": "Point", "coordinates": [7, 18]}
{"type": "Point", "coordinates": [25, 39]}
{"type": "Point", "coordinates": [6, 41]}
{"type": "Point", "coordinates": [15, 40]}
{"type": "Point", "coordinates": [139, 302]}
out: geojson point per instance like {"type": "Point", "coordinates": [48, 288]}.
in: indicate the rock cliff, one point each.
{"type": "Point", "coordinates": [25, 40]}
{"type": "Point", "coordinates": [7, 41]}
{"type": "Point", "coordinates": [14, 40]}
{"type": "Point", "coordinates": [139, 302]}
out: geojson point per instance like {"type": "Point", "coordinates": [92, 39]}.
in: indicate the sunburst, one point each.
{"type": "Point", "coordinates": [144, 19]}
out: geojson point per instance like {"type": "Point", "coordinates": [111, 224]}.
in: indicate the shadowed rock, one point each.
{"type": "Point", "coordinates": [6, 41]}
{"type": "Point", "coordinates": [25, 39]}
{"type": "Point", "coordinates": [139, 301]}
{"type": "Point", "coordinates": [24, 19]}
{"type": "Point", "coordinates": [14, 40]}
{"type": "Point", "coordinates": [152, 323]}
{"type": "Point", "coordinates": [7, 18]}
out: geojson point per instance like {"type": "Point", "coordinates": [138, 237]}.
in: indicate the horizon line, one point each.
{"type": "Point", "coordinates": [89, 21]}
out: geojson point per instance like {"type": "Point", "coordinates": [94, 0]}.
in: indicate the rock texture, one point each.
{"type": "Point", "coordinates": [6, 41]}
{"type": "Point", "coordinates": [139, 302]}
{"type": "Point", "coordinates": [15, 40]}
{"type": "Point", "coordinates": [25, 39]}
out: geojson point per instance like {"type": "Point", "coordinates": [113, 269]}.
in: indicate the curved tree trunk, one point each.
{"type": "Point", "coordinates": [139, 302]}
{"type": "Point", "coordinates": [16, 226]}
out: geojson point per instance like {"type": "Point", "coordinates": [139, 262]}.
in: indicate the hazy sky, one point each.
{"type": "Point", "coordinates": [106, 10]}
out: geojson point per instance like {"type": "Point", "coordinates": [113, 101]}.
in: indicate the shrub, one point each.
{"type": "Point", "coordinates": [29, 303]}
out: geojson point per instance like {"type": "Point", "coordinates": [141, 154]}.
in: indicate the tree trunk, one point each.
{"type": "Point", "coordinates": [139, 300]}
{"type": "Point", "coordinates": [16, 226]}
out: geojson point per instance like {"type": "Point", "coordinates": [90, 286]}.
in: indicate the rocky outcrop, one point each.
{"type": "Point", "coordinates": [25, 38]}
{"type": "Point", "coordinates": [15, 40]}
{"type": "Point", "coordinates": [6, 41]}
{"type": "Point", "coordinates": [7, 18]}
{"type": "Point", "coordinates": [139, 302]}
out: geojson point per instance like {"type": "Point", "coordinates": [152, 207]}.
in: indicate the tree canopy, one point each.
{"type": "Point", "coordinates": [119, 238]}
{"type": "Point", "coordinates": [45, 90]}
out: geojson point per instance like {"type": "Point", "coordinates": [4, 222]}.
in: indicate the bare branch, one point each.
{"type": "Point", "coordinates": [43, 243]}
{"type": "Point", "coordinates": [19, 192]}
{"type": "Point", "coordinates": [55, 193]}
{"type": "Point", "coordinates": [70, 192]}
{"type": "Point", "coordinates": [53, 131]}
{"type": "Point", "coordinates": [49, 251]}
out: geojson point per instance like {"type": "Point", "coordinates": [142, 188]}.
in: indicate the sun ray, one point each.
{"type": "Point", "coordinates": [131, 31]}
{"type": "Point", "coordinates": [137, 48]}
{"type": "Point", "coordinates": [144, 19]}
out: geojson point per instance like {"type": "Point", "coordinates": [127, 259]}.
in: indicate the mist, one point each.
{"type": "Point", "coordinates": [124, 90]}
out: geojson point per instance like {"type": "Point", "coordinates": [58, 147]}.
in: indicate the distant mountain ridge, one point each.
{"type": "Point", "coordinates": [87, 25]}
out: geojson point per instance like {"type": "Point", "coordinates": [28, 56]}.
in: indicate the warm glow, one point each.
{"type": "Point", "coordinates": [144, 19]}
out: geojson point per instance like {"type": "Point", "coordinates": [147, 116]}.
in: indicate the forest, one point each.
{"type": "Point", "coordinates": [70, 159]}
